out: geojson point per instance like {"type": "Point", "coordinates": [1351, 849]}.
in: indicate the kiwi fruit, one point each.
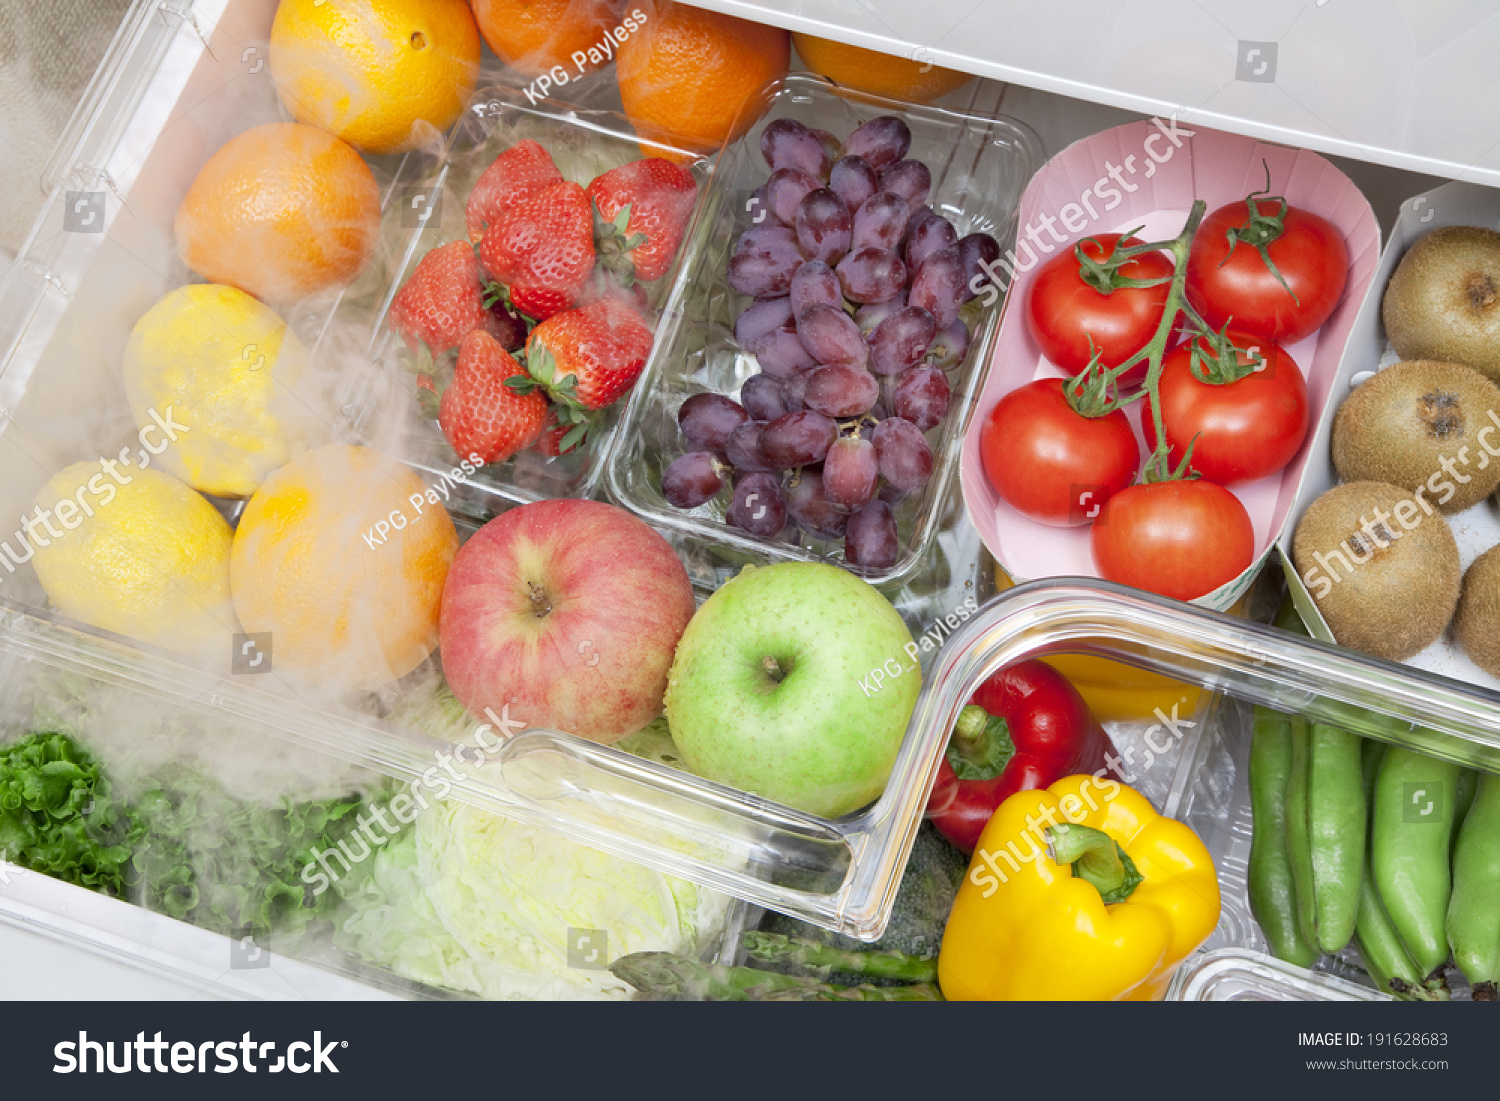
{"type": "Point", "coordinates": [1443, 302]}
{"type": "Point", "coordinates": [1383, 570]}
{"type": "Point", "coordinates": [1476, 624]}
{"type": "Point", "coordinates": [1400, 426]}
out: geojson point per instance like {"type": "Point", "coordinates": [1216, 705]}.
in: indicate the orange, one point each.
{"type": "Point", "coordinates": [692, 78]}
{"type": "Point", "coordinates": [384, 75]}
{"type": "Point", "coordinates": [341, 555]}
{"type": "Point", "coordinates": [877, 73]}
{"type": "Point", "coordinates": [532, 36]}
{"type": "Point", "coordinates": [282, 211]}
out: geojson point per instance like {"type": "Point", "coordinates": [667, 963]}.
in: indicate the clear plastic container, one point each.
{"type": "Point", "coordinates": [183, 80]}
{"type": "Point", "coordinates": [1203, 780]}
{"type": "Point", "coordinates": [586, 137]}
{"type": "Point", "coordinates": [980, 163]}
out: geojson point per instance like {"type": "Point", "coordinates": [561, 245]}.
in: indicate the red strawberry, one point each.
{"type": "Point", "coordinates": [550, 442]}
{"type": "Point", "coordinates": [643, 209]}
{"type": "Point", "coordinates": [444, 301]}
{"type": "Point", "coordinates": [587, 358]}
{"type": "Point", "coordinates": [543, 249]}
{"type": "Point", "coordinates": [515, 176]}
{"type": "Point", "coordinates": [479, 413]}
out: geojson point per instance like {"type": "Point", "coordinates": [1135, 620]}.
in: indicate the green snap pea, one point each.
{"type": "Point", "coordinates": [1463, 799]}
{"type": "Point", "coordinates": [1411, 829]}
{"type": "Point", "coordinates": [1389, 964]}
{"type": "Point", "coordinates": [1474, 909]}
{"type": "Point", "coordinates": [1326, 825]}
{"type": "Point", "coordinates": [1273, 898]}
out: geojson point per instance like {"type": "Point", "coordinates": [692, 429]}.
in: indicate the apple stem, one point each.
{"type": "Point", "coordinates": [539, 602]}
{"type": "Point", "coordinates": [773, 669]}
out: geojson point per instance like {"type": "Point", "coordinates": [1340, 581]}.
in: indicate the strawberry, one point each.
{"type": "Point", "coordinates": [587, 358]}
{"type": "Point", "coordinates": [479, 413]}
{"type": "Point", "coordinates": [445, 299]}
{"type": "Point", "coordinates": [543, 249]}
{"type": "Point", "coordinates": [641, 212]}
{"type": "Point", "coordinates": [515, 176]}
{"type": "Point", "coordinates": [550, 442]}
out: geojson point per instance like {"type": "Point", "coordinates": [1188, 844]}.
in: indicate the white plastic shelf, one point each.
{"type": "Point", "coordinates": [1404, 83]}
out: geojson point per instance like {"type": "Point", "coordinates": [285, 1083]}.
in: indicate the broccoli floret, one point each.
{"type": "Point", "coordinates": [933, 874]}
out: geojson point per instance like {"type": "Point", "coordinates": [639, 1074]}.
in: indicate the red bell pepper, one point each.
{"type": "Point", "coordinates": [1026, 727]}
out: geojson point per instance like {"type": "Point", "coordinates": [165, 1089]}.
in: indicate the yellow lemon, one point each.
{"type": "Point", "coordinates": [384, 75]}
{"type": "Point", "coordinates": [217, 378]}
{"type": "Point", "coordinates": [342, 555]}
{"type": "Point", "coordinates": [136, 552]}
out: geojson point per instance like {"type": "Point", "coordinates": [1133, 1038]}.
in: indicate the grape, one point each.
{"type": "Point", "coordinates": [761, 318]}
{"type": "Point", "coordinates": [764, 274]}
{"type": "Point", "coordinates": [841, 391]}
{"type": "Point", "coordinates": [949, 346]}
{"type": "Point", "coordinates": [850, 472]}
{"type": "Point", "coordinates": [824, 226]}
{"type": "Point", "coordinates": [743, 448]}
{"type": "Point", "coordinates": [758, 506]}
{"type": "Point", "coordinates": [882, 141]}
{"type": "Point", "coordinates": [904, 457]}
{"type": "Point", "coordinates": [872, 275]}
{"type": "Point", "coordinates": [797, 439]}
{"type": "Point", "coordinates": [692, 479]}
{"type": "Point", "coordinates": [815, 283]}
{"type": "Point", "coordinates": [786, 143]}
{"type": "Point", "coordinates": [938, 286]}
{"type": "Point", "coordinates": [881, 221]}
{"type": "Point", "coordinates": [854, 181]}
{"type": "Point", "coordinates": [922, 397]}
{"type": "Point", "coordinates": [795, 389]}
{"type": "Point", "coordinates": [707, 419]}
{"type": "Point", "coordinates": [974, 252]}
{"type": "Point", "coordinates": [900, 340]}
{"type": "Point", "coordinates": [912, 180]}
{"type": "Point", "coordinates": [871, 539]}
{"type": "Point", "coordinates": [786, 189]}
{"type": "Point", "coordinates": [807, 502]}
{"type": "Point", "coordinates": [831, 145]}
{"type": "Point", "coordinates": [831, 336]}
{"type": "Point", "coordinates": [763, 398]}
{"type": "Point", "coordinates": [766, 239]}
{"type": "Point", "coordinates": [781, 353]}
{"type": "Point", "coordinates": [929, 233]}
{"type": "Point", "coordinates": [869, 317]}
{"type": "Point", "coordinates": [891, 495]}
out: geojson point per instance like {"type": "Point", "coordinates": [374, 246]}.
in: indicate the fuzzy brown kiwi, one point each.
{"type": "Point", "coordinates": [1476, 624]}
{"type": "Point", "coordinates": [1399, 426]}
{"type": "Point", "coordinates": [1443, 302]}
{"type": "Point", "coordinates": [1397, 568]}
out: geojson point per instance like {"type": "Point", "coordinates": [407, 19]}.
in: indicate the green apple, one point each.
{"type": "Point", "coordinates": [795, 682]}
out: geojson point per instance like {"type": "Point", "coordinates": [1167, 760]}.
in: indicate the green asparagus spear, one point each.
{"type": "Point", "coordinates": [808, 957]}
{"type": "Point", "coordinates": [668, 976]}
{"type": "Point", "coordinates": [915, 992]}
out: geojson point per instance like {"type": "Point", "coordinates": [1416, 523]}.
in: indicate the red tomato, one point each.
{"type": "Point", "coordinates": [1245, 429]}
{"type": "Point", "coordinates": [1310, 254]}
{"type": "Point", "coordinates": [1179, 539]}
{"type": "Point", "coordinates": [1063, 311]}
{"type": "Point", "coordinates": [1049, 462]}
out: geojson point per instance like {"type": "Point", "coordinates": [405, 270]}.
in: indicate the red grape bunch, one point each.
{"type": "Point", "coordinates": [857, 285]}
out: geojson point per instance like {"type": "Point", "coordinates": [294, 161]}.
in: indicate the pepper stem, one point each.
{"type": "Point", "coordinates": [1096, 858]}
{"type": "Point", "coordinates": [971, 723]}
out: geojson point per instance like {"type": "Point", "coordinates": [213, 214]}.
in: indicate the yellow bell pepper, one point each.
{"type": "Point", "coordinates": [1140, 895]}
{"type": "Point", "coordinates": [1116, 691]}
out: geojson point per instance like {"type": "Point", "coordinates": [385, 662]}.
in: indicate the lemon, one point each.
{"type": "Point", "coordinates": [136, 552]}
{"type": "Point", "coordinates": [224, 365]}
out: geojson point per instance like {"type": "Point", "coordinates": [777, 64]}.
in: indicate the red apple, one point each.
{"type": "Point", "coordinates": [568, 611]}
